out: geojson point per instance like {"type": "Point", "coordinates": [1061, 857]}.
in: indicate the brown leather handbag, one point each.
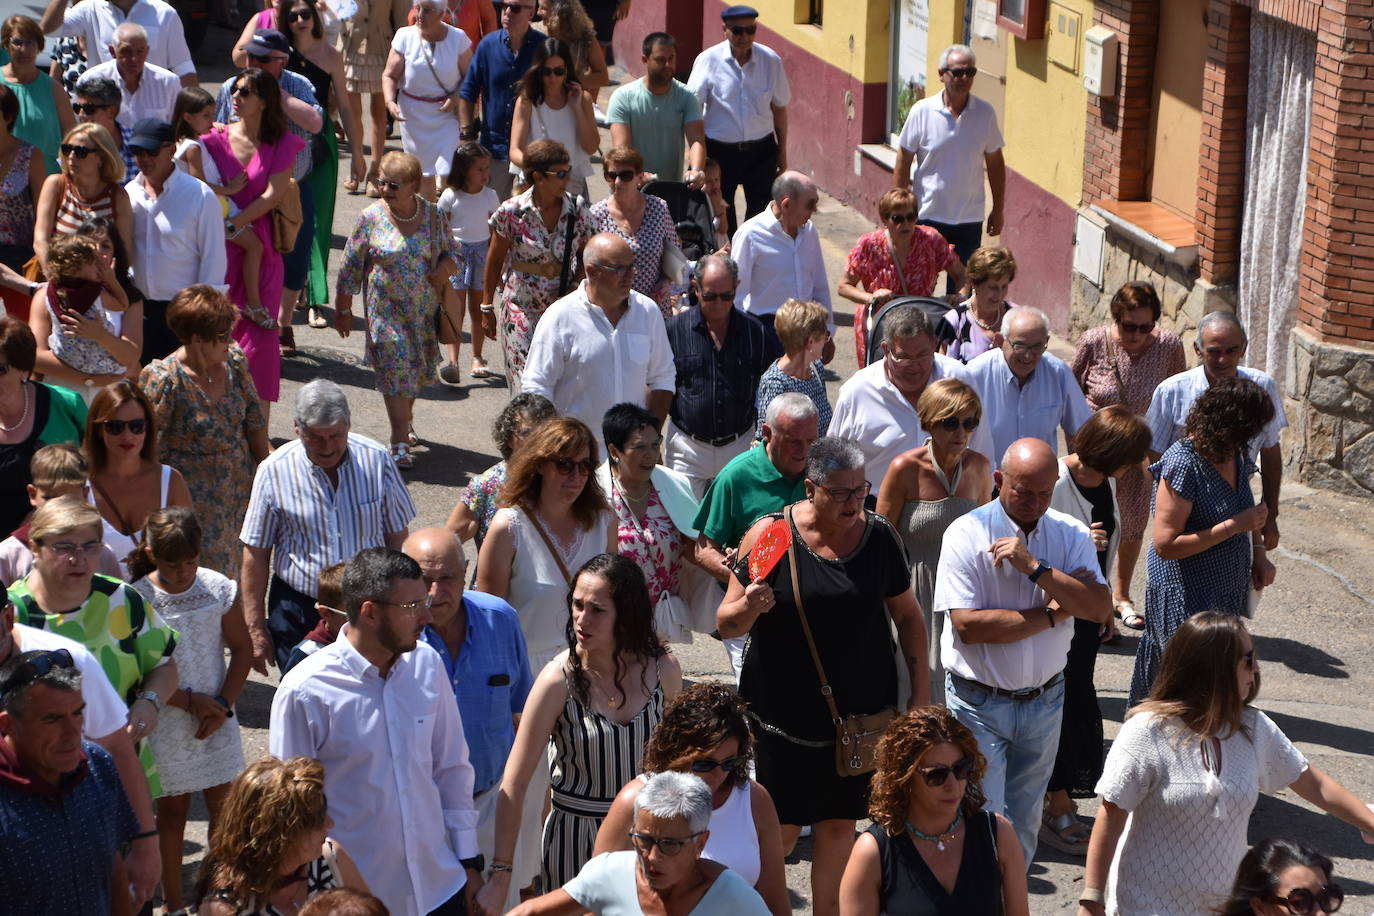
{"type": "Point", "coordinates": [287, 218]}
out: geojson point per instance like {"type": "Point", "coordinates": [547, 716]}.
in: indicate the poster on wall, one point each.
{"type": "Point", "coordinates": [911, 26]}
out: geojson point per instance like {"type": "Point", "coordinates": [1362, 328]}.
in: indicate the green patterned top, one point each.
{"type": "Point", "coordinates": [119, 628]}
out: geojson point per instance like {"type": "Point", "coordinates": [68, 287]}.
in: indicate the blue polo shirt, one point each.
{"type": "Point", "coordinates": [492, 75]}
{"type": "Point", "coordinates": [491, 680]}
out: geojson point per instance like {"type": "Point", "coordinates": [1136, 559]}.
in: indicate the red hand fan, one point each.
{"type": "Point", "coordinates": [769, 549]}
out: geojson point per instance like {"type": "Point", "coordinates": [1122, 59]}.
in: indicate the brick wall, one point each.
{"type": "Point", "coordinates": [1118, 129]}
{"type": "Point", "coordinates": [1221, 157]}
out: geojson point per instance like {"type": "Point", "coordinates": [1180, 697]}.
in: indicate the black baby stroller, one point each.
{"type": "Point", "coordinates": [691, 213]}
{"type": "Point", "coordinates": [935, 310]}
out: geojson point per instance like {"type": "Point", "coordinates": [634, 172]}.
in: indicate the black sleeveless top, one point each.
{"type": "Point", "coordinates": [909, 888]}
{"type": "Point", "coordinates": [319, 78]}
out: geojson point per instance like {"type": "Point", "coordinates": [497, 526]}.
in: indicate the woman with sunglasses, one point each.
{"type": "Point", "coordinates": [1122, 363]}
{"type": "Point", "coordinates": [535, 256]}
{"type": "Point", "coordinates": [45, 110]}
{"type": "Point", "coordinates": [973, 324]}
{"type": "Point", "coordinates": [210, 424]}
{"type": "Point", "coordinates": [1183, 776]}
{"type": "Point", "coordinates": [1279, 877]}
{"type": "Point", "coordinates": [569, 22]}
{"type": "Point", "coordinates": [705, 731]}
{"type": "Point", "coordinates": [1107, 446]}
{"type": "Point", "coordinates": [932, 848]}
{"type": "Point", "coordinates": [899, 259]}
{"type": "Point", "coordinates": [927, 488]}
{"type": "Point", "coordinates": [90, 183]}
{"type": "Point", "coordinates": [551, 104]}
{"type": "Point", "coordinates": [850, 567]}
{"type": "Point", "coordinates": [642, 220]}
{"type": "Point", "coordinates": [595, 703]}
{"type": "Point", "coordinates": [271, 851]}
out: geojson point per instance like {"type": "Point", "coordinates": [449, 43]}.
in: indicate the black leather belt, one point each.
{"type": "Point", "coordinates": [1020, 696]}
{"type": "Point", "coordinates": [745, 145]}
{"type": "Point", "coordinates": [714, 443]}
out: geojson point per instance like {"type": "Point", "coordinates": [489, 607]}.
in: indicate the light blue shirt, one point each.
{"type": "Point", "coordinates": [1176, 395]}
{"type": "Point", "coordinates": [737, 102]}
{"type": "Point", "coordinates": [606, 886]}
{"type": "Point", "coordinates": [1050, 398]}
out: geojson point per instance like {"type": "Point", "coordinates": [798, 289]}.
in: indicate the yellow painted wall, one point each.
{"type": "Point", "coordinates": [853, 38]}
{"type": "Point", "coordinates": [1044, 115]}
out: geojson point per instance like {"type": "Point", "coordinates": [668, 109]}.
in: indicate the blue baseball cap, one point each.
{"type": "Point", "coordinates": [739, 11]}
{"type": "Point", "coordinates": [151, 134]}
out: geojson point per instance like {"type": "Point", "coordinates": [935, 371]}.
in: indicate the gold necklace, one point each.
{"type": "Point", "coordinates": [612, 702]}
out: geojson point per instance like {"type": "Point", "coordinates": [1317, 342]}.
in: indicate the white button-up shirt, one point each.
{"type": "Point", "coordinates": [1175, 396]}
{"type": "Point", "coordinates": [96, 20]}
{"type": "Point", "coordinates": [395, 767]}
{"type": "Point", "coordinates": [737, 102]}
{"type": "Point", "coordinates": [295, 509]}
{"type": "Point", "coordinates": [947, 173]}
{"type": "Point", "coordinates": [156, 95]}
{"type": "Point", "coordinates": [178, 236]}
{"type": "Point", "coordinates": [585, 365]}
{"type": "Point", "coordinates": [1050, 398]}
{"type": "Point", "coordinates": [871, 411]}
{"type": "Point", "coordinates": [967, 579]}
{"type": "Point", "coordinates": [775, 267]}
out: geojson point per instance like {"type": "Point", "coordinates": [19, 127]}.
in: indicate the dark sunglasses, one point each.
{"type": "Point", "coordinates": [706, 764]}
{"type": "Point", "coordinates": [567, 467]}
{"type": "Point", "coordinates": [515, 8]}
{"type": "Point", "coordinates": [89, 108]}
{"type": "Point", "coordinates": [242, 91]}
{"type": "Point", "coordinates": [937, 776]}
{"type": "Point", "coordinates": [1249, 659]}
{"type": "Point", "coordinates": [743, 29]}
{"type": "Point", "coordinates": [117, 427]}
{"type": "Point", "coordinates": [556, 173]}
{"type": "Point", "coordinates": [1127, 328]}
{"type": "Point", "coordinates": [619, 270]}
{"type": "Point", "coordinates": [298, 15]}
{"type": "Point", "coordinates": [622, 175]}
{"type": "Point", "coordinates": [902, 218]}
{"type": "Point", "coordinates": [950, 424]}
{"type": "Point", "coordinates": [386, 183]}
{"type": "Point", "coordinates": [1302, 901]}
{"type": "Point", "coordinates": [79, 152]}
{"type": "Point", "coordinates": [962, 71]}
{"type": "Point", "coordinates": [717, 297]}
{"type": "Point", "coordinates": [553, 71]}
{"type": "Point", "coordinates": [36, 667]}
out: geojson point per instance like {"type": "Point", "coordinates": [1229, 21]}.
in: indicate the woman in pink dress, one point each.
{"type": "Point", "coordinates": [253, 156]}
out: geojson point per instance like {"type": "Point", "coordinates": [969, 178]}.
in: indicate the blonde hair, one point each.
{"type": "Point", "coordinates": [68, 254]}
{"type": "Point", "coordinates": [60, 465]}
{"type": "Point", "coordinates": [947, 397]}
{"type": "Point", "coordinates": [797, 320]}
{"type": "Point", "coordinates": [989, 262]}
{"type": "Point", "coordinates": [402, 165]}
{"type": "Point", "coordinates": [63, 515]}
{"type": "Point", "coordinates": [111, 165]}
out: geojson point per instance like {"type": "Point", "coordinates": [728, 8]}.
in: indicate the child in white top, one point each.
{"type": "Point", "coordinates": [85, 290]}
{"type": "Point", "coordinates": [469, 203]}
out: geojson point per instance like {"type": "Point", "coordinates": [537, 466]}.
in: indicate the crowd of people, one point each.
{"type": "Point", "coordinates": [911, 584]}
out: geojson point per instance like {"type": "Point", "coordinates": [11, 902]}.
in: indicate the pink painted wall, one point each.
{"type": "Point", "coordinates": [1039, 231]}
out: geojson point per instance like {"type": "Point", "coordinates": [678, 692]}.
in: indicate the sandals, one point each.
{"type": "Point", "coordinates": [400, 454]}
{"type": "Point", "coordinates": [315, 317]}
{"type": "Point", "coordinates": [351, 185]}
{"type": "Point", "coordinates": [1065, 832]}
{"type": "Point", "coordinates": [412, 440]}
{"type": "Point", "coordinates": [479, 369]}
{"type": "Point", "coordinates": [287, 338]}
{"type": "Point", "coordinates": [450, 373]}
{"type": "Point", "coordinates": [373, 189]}
{"type": "Point", "coordinates": [1131, 619]}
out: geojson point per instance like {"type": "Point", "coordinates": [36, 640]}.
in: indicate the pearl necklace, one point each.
{"type": "Point", "coordinates": [940, 838]}
{"type": "Point", "coordinates": [22, 417]}
{"type": "Point", "coordinates": [401, 221]}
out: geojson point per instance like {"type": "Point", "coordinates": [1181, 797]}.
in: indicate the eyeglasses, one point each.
{"type": "Point", "coordinates": [298, 15]}
{"type": "Point", "coordinates": [78, 152]}
{"type": "Point", "coordinates": [738, 30]}
{"type": "Point", "coordinates": [1032, 349]}
{"type": "Point", "coordinates": [1128, 328]}
{"type": "Point", "coordinates": [556, 173]}
{"type": "Point", "coordinates": [553, 71]}
{"type": "Point", "coordinates": [89, 108]}
{"type": "Point", "coordinates": [39, 665]}
{"type": "Point", "coordinates": [242, 91]}
{"type": "Point", "coordinates": [937, 776]}
{"type": "Point", "coordinates": [116, 427]}
{"type": "Point", "coordinates": [388, 184]}
{"type": "Point", "coordinates": [707, 764]}
{"type": "Point", "coordinates": [671, 846]}
{"type": "Point", "coordinates": [717, 297]}
{"type": "Point", "coordinates": [1302, 901]}
{"type": "Point", "coordinates": [901, 218]}
{"type": "Point", "coordinates": [962, 71]}
{"type": "Point", "coordinates": [950, 424]}
{"type": "Point", "coordinates": [567, 467]}
{"type": "Point", "coordinates": [619, 270]}
{"type": "Point", "coordinates": [845, 494]}
{"type": "Point", "coordinates": [901, 359]}
{"type": "Point", "coordinates": [66, 550]}
{"type": "Point", "coordinates": [622, 175]}
{"type": "Point", "coordinates": [1249, 660]}
{"type": "Point", "coordinates": [409, 606]}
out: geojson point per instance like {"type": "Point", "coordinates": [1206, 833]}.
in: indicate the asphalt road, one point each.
{"type": "Point", "coordinates": [1312, 634]}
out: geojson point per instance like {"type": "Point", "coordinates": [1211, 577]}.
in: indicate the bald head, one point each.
{"type": "Point", "coordinates": [444, 568]}
{"type": "Point", "coordinates": [795, 198]}
{"type": "Point", "coordinates": [1029, 456]}
{"type": "Point", "coordinates": [610, 270]}
{"type": "Point", "coordinates": [1026, 481]}
{"type": "Point", "coordinates": [606, 247]}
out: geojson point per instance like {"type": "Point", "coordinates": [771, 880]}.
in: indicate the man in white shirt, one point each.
{"type": "Point", "coordinates": [877, 405]}
{"type": "Point", "coordinates": [951, 137]}
{"type": "Point", "coordinates": [377, 710]}
{"type": "Point", "coordinates": [149, 91]}
{"type": "Point", "coordinates": [1026, 392]}
{"type": "Point", "coordinates": [96, 20]}
{"type": "Point", "coordinates": [603, 344]}
{"type": "Point", "coordinates": [1012, 576]}
{"type": "Point", "coordinates": [743, 90]}
{"type": "Point", "coordinates": [779, 255]}
{"type": "Point", "coordinates": [1220, 346]}
{"type": "Point", "coordinates": [178, 232]}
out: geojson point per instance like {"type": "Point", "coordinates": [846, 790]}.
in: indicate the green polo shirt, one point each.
{"type": "Point", "coordinates": [745, 490]}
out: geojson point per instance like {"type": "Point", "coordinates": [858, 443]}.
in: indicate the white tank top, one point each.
{"type": "Point", "coordinates": [123, 544]}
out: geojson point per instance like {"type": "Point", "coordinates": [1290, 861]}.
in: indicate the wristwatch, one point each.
{"type": "Point", "coordinates": [152, 697]}
{"type": "Point", "coordinates": [1039, 571]}
{"type": "Point", "coordinates": [476, 863]}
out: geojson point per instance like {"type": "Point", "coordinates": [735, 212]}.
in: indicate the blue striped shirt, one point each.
{"type": "Point", "coordinates": [311, 523]}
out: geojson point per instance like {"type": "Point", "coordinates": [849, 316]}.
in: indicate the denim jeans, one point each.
{"type": "Point", "coordinates": [1020, 740]}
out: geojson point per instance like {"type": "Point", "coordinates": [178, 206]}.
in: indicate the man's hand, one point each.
{"type": "Point", "coordinates": [143, 868]}
{"type": "Point", "coordinates": [1013, 550]}
{"type": "Point", "coordinates": [1261, 572]}
{"type": "Point", "coordinates": [782, 161]}
{"type": "Point", "coordinates": [1270, 532]}
{"type": "Point", "coordinates": [263, 655]}
{"type": "Point", "coordinates": [995, 222]}
{"type": "Point", "coordinates": [471, 888]}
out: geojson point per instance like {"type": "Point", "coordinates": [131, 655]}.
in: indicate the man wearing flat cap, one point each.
{"type": "Point", "coordinates": [743, 91]}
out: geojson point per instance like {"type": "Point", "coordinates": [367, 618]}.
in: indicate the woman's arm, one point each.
{"type": "Point", "coordinates": [178, 494]}
{"type": "Point", "coordinates": [239, 55]}
{"type": "Point", "coordinates": [45, 222]}
{"type": "Point", "coordinates": [597, 74]}
{"type": "Point", "coordinates": [349, 875]}
{"type": "Point", "coordinates": [906, 614]}
{"type": "Point", "coordinates": [772, 883]}
{"type": "Point", "coordinates": [234, 632]}
{"type": "Point", "coordinates": [670, 675]}
{"type": "Point", "coordinates": [259, 446]}
{"type": "Point", "coordinates": [1012, 862]}
{"type": "Point", "coordinates": [38, 176]}
{"type": "Point", "coordinates": [614, 833]}
{"type": "Point", "coordinates": [495, 559]}
{"type": "Point", "coordinates": [742, 605]}
{"type": "Point", "coordinates": [1107, 829]}
{"type": "Point", "coordinates": [462, 522]}
{"type": "Point", "coordinates": [1333, 798]}
{"type": "Point", "coordinates": [519, 131]}
{"type": "Point", "coordinates": [393, 74]}
{"type": "Point", "coordinates": [895, 490]}
{"type": "Point", "coordinates": [496, 263]}
{"type": "Point", "coordinates": [66, 118]}
{"type": "Point", "coordinates": [352, 123]}
{"type": "Point", "coordinates": [850, 288]}
{"type": "Point", "coordinates": [276, 187]}
{"type": "Point", "coordinates": [863, 879]}
{"type": "Point", "coordinates": [124, 217]}
{"type": "Point", "coordinates": [587, 136]}
{"type": "Point", "coordinates": [1171, 515]}
{"type": "Point", "coordinates": [554, 903]}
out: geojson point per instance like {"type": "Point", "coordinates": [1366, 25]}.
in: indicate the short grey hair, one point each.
{"type": "Point", "coordinates": [12, 700]}
{"type": "Point", "coordinates": [126, 30]}
{"type": "Point", "coordinates": [789, 184]}
{"type": "Point", "coordinates": [321, 403]}
{"type": "Point", "coordinates": [1219, 319]}
{"type": "Point", "coordinates": [904, 322]}
{"type": "Point", "coordinates": [1021, 312]}
{"type": "Point", "coordinates": [100, 89]}
{"type": "Point", "coordinates": [957, 49]}
{"type": "Point", "coordinates": [719, 259]}
{"type": "Point", "coordinates": [671, 794]}
{"type": "Point", "coordinates": [790, 404]}
{"type": "Point", "coordinates": [830, 454]}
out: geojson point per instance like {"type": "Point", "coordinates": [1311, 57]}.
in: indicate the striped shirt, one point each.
{"type": "Point", "coordinates": [75, 210]}
{"type": "Point", "coordinates": [311, 523]}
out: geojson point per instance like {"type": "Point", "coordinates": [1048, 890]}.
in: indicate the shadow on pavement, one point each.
{"type": "Point", "coordinates": [1301, 730]}
{"type": "Point", "coordinates": [1299, 656]}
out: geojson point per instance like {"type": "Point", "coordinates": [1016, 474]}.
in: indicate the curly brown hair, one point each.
{"type": "Point", "coordinates": [561, 437]}
{"type": "Point", "coordinates": [269, 808]}
{"type": "Point", "coordinates": [703, 717]}
{"type": "Point", "coordinates": [1226, 417]}
{"type": "Point", "coordinates": [908, 739]}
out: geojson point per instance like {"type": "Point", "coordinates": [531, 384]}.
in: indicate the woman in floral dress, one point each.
{"type": "Point", "coordinates": [402, 250]}
{"type": "Point", "coordinates": [209, 421]}
{"type": "Point", "coordinates": [529, 245]}
{"type": "Point", "coordinates": [640, 219]}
